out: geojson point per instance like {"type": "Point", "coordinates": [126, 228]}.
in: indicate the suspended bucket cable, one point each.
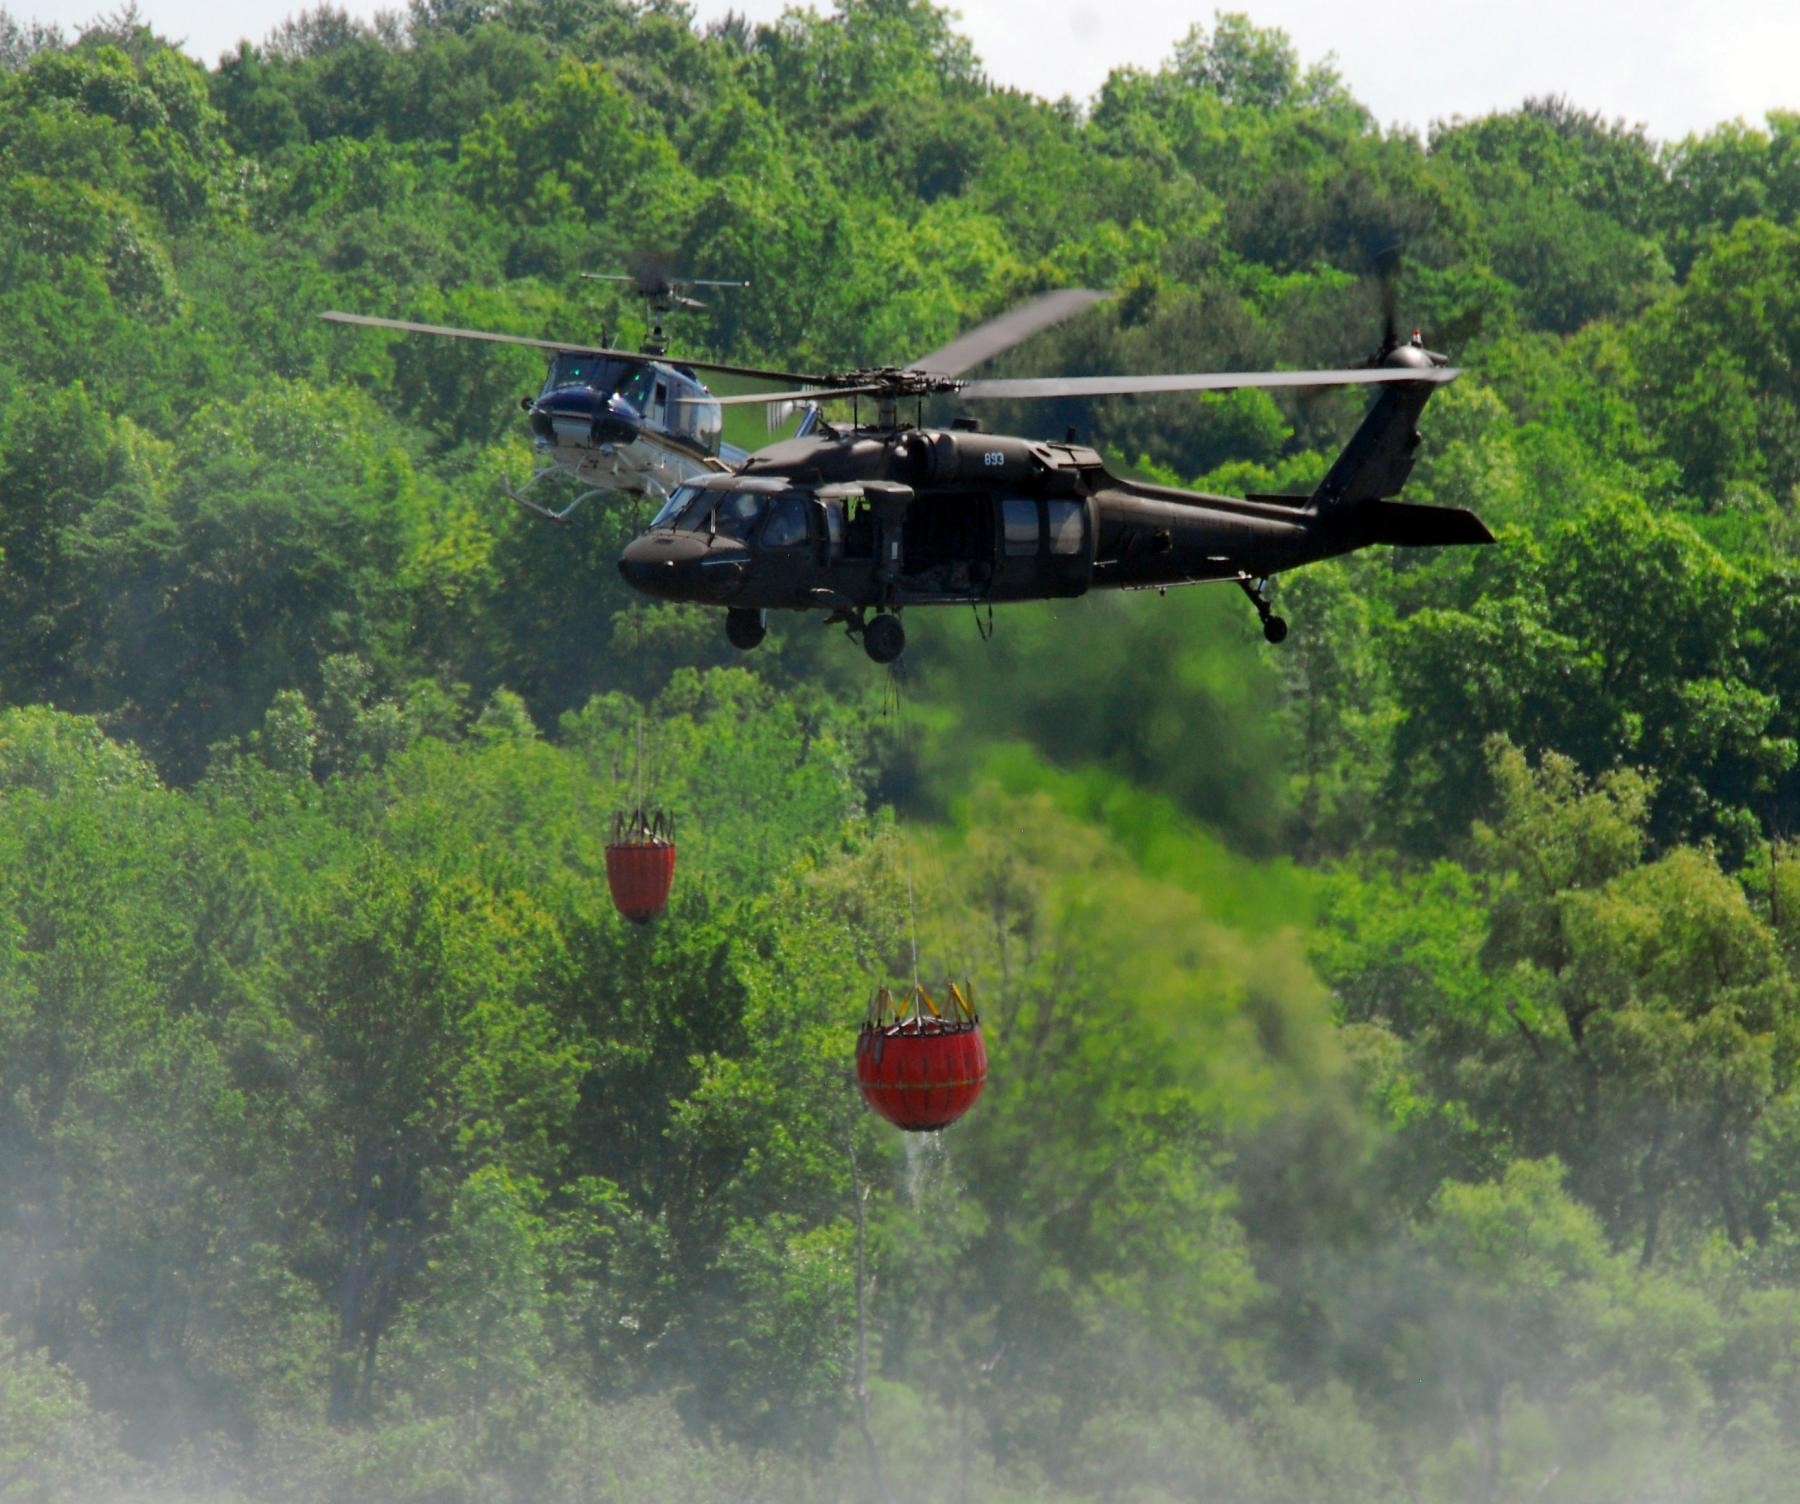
{"type": "Point", "coordinates": [640, 863]}
{"type": "Point", "coordinates": [921, 1066]}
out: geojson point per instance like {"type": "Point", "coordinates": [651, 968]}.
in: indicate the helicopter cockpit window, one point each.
{"type": "Point", "coordinates": [635, 387]}
{"type": "Point", "coordinates": [738, 512]}
{"type": "Point", "coordinates": [677, 503]}
{"type": "Point", "coordinates": [1019, 518]}
{"type": "Point", "coordinates": [693, 517]}
{"type": "Point", "coordinates": [1068, 521]}
{"type": "Point", "coordinates": [575, 369]}
{"type": "Point", "coordinates": [786, 527]}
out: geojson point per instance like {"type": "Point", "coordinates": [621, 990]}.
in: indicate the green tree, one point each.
{"type": "Point", "coordinates": [1619, 639]}
{"type": "Point", "coordinates": [1652, 1013]}
{"type": "Point", "coordinates": [52, 1444]}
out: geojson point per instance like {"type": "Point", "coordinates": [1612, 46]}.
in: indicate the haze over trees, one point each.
{"type": "Point", "coordinates": [1394, 1034]}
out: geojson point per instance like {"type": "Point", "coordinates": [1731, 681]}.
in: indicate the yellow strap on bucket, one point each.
{"type": "Point", "coordinates": [963, 1005]}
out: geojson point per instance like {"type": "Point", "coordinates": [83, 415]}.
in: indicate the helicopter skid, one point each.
{"type": "Point", "coordinates": [562, 518]}
{"type": "Point", "coordinates": [553, 514]}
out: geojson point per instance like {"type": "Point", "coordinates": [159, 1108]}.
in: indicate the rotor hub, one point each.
{"type": "Point", "coordinates": [901, 381]}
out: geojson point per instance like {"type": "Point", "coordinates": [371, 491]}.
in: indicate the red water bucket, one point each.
{"type": "Point", "coordinates": [921, 1071]}
{"type": "Point", "coordinates": [640, 874]}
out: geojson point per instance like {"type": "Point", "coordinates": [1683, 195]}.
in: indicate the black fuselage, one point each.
{"type": "Point", "coordinates": [923, 517]}
{"type": "Point", "coordinates": [881, 519]}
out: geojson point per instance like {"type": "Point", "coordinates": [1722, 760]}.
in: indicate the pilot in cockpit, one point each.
{"type": "Point", "coordinates": [737, 513]}
{"type": "Point", "coordinates": [635, 388]}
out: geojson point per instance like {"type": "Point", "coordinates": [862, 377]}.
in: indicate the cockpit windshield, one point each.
{"type": "Point", "coordinates": [679, 501]}
{"type": "Point", "coordinates": [738, 513]}
{"type": "Point", "coordinates": [574, 368]}
{"type": "Point", "coordinates": [699, 509]}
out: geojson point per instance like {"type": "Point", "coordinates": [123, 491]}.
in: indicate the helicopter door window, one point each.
{"type": "Point", "coordinates": [1068, 523]}
{"type": "Point", "coordinates": [1019, 520]}
{"type": "Point", "coordinates": [786, 527]}
{"type": "Point", "coordinates": [707, 423]}
{"type": "Point", "coordinates": [834, 528]}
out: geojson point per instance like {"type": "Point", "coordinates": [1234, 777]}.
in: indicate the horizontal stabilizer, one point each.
{"type": "Point", "coordinates": [1409, 526]}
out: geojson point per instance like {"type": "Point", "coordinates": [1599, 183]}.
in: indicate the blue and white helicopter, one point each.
{"type": "Point", "coordinates": [635, 423]}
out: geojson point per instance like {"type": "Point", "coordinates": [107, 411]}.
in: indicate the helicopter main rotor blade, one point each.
{"type": "Point", "coordinates": [1028, 387]}
{"type": "Point", "coordinates": [670, 282]}
{"type": "Point", "coordinates": [570, 347]}
{"type": "Point", "coordinates": [1013, 327]}
{"type": "Point", "coordinates": [1216, 381]}
{"type": "Point", "coordinates": [981, 343]}
{"type": "Point", "coordinates": [820, 393]}
{"type": "Point", "coordinates": [718, 365]}
{"type": "Point", "coordinates": [405, 326]}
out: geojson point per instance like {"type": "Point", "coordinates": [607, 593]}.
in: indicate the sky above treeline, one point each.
{"type": "Point", "coordinates": [1675, 66]}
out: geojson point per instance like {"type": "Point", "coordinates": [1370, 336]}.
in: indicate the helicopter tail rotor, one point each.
{"type": "Point", "coordinates": [662, 294]}
{"type": "Point", "coordinates": [1385, 264]}
{"type": "Point", "coordinates": [1374, 464]}
{"type": "Point", "coordinates": [1385, 267]}
{"type": "Point", "coordinates": [652, 282]}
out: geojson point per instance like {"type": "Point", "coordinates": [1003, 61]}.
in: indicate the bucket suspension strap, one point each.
{"type": "Point", "coordinates": [965, 1007]}
{"type": "Point", "coordinates": [916, 1004]}
{"type": "Point", "coordinates": [635, 828]}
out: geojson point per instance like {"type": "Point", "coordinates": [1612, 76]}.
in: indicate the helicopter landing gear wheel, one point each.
{"type": "Point", "coordinates": [745, 629]}
{"type": "Point", "coordinates": [1274, 628]}
{"type": "Point", "coordinates": [884, 639]}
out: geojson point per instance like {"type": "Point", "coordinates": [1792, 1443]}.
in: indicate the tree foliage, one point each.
{"type": "Point", "coordinates": [1393, 1037]}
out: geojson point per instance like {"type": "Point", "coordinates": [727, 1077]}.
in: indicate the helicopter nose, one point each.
{"type": "Point", "coordinates": [685, 567]}
{"type": "Point", "coordinates": [581, 416]}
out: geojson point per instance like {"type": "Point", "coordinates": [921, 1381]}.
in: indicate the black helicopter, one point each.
{"type": "Point", "coordinates": [633, 422]}
{"type": "Point", "coordinates": [871, 519]}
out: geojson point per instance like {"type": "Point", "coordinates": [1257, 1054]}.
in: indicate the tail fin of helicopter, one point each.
{"type": "Point", "coordinates": [1379, 456]}
{"type": "Point", "coordinates": [1374, 466]}
{"type": "Point", "coordinates": [1409, 526]}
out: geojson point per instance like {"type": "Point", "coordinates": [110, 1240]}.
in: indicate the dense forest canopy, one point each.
{"type": "Point", "coordinates": [1394, 1034]}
